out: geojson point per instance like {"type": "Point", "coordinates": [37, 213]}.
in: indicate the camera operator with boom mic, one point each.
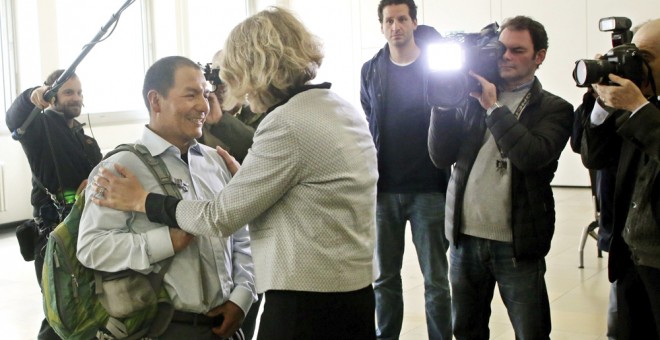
{"type": "Point", "coordinates": [60, 155]}
{"type": "Point", "coordinates": [504, 143]}
{"type": "Point", "coordinates": [623, 131]}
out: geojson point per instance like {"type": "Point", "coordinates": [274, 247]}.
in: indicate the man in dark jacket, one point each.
{"type": "Point", "coordinates": [410, 188]}
{"type": "Point", "coordinates": [60, 157]}
{"type": "Point", "coordinates": [623, 130]}
{"type": "Point", "coordinates": [500, 208]}
{"type": "Point", "coordinates": [602, 186]}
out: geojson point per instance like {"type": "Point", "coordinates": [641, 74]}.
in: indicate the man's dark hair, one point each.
{"type": "Point", "coordinates": [412, 8]}
{"type": "Point", "coordinates": [56, 75]}
{"type": "Point", "coordinates": [160, 76]}
{"type": "Point", "coordinates": [535, 28]}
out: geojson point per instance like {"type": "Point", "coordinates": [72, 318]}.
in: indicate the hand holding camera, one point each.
{"type": "Point", "coordinates": [622, 94]}
{"type": "Point", "coordinates": [488, 95]}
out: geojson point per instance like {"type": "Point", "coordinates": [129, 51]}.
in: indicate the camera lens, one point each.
{"type": "Point", "coordinates": [447, 89]}
{"type": "Point", "coordinates": [588, 72]}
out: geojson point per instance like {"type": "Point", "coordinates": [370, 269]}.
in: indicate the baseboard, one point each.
{"type": "Point", "coordinates": [11, 225]}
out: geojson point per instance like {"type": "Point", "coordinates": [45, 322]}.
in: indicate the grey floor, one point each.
{"type": "Point", "coordinates": [578, 297]}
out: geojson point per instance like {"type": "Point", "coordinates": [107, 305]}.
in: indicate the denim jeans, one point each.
{"type": "Point", "coordinates": [426, 213]}
{"type": "Point", "coordinates": [476, 265]}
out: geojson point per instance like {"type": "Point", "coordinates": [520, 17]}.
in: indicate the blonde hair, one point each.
{"type": "Point", "coordinates": [268, 55]}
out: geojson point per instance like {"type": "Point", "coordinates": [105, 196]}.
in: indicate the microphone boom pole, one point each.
{"type": "Point", "coordinates": [50, 93]}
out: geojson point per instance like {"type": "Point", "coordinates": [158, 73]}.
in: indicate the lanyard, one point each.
{"type": "Point", "coordinates": [517, 112]}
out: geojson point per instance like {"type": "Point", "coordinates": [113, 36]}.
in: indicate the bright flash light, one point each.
{"type": "Point", "coordinates": [447, 56]}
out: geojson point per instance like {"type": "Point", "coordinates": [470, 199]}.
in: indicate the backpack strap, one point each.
{"type": "Point", "coordinates": [162, 174]}
{"type": "Point", "coordinates": [154, 164]}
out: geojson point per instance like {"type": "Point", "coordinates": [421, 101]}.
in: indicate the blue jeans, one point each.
{"type": "Point", "coordinates": [426, 213]}
{"type": "Point", "coordinates": [476, 265]}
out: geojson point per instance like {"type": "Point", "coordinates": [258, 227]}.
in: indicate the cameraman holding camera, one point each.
{"type": "Point", "coordinates": [500, 207]}
{"type": "Point", "coordinates": [624, 131]}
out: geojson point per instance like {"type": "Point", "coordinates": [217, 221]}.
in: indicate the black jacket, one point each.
{"type": "Point", "coordinates": [632, 144]}
{"type": "Point", "coordinates": [374, 78]}
{"type": "Point", "coordinates": [533, 144]}
{"type": "Point", "coordinates": [60, 157]}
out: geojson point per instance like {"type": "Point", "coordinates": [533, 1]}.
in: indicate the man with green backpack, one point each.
{"type": "Point", "coordinates": [209, 280]}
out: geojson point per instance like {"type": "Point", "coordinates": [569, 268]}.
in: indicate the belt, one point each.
{"type": "Point", "coordinates": [196, 319]}
{"type": "Point", "coordinates": [192, 318]}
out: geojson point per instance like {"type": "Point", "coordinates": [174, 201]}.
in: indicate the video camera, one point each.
{"type": "Point", "coordinates": [623, 59]}
{"type": "Point", "coordinates": [450, 60]}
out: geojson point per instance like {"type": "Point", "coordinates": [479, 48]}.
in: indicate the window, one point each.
{"type": "Point", "coordinates": [195, 29]}
{"type": "Point", "coordinates": [6, 57]}
{"type": "Point", "coordinates": [112, 71]}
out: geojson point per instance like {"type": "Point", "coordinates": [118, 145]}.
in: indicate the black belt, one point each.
{"type": "Point", "coordinates": [192, 318]}
{"type": "Point", "coordinates": [196, 319]}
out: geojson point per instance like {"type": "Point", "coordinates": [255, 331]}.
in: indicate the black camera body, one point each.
{"type": "Point", "coordinates": [623, 60]}
{"type": "Point", "coordinates": [212, 75]}
{"type": "Point", "coordinates": [480, 52]}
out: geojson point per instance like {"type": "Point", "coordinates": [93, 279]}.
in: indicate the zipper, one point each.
{"type": "Point", "coordinates": [68, 266]}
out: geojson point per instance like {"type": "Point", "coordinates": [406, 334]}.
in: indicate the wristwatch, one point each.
{"type": "Point", "coordinates": [492, 108]}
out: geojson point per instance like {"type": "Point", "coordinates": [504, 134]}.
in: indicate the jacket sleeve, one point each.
{"type": "Point", "coordinates": [235, 134]}
{"type": "Point", "coordinates": [365, 99]}
{"type": "Point", "coordinates": [581, 115]}
{"type": "Point", "coordinates": [531, 149]}
{"type": "Point", "coordinates": [270, 171]}
{"type": "Point", "coordinates": [601, 145]}
{"type": "Point", "coordinates": [19, 110]}
{"type": "Point", "coordinates": [445, 136]}
{"type": "Point", "coordinates": [643, 130]}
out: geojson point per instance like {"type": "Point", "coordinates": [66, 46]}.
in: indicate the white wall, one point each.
{"type": "Point", "coordinates": [352, 35]}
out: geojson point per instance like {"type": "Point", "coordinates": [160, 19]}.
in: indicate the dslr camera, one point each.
{"type": "Point", "coordinates": [211, 74]}
{"type": "Point", "coordinates": [623, 59]}
{"type": "Point", "coordinates": [450, 60]}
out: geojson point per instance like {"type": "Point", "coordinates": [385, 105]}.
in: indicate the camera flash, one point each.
{"type": "Point", "coordinates": [446, 56]}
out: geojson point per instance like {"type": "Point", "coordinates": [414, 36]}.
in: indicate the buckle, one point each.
{"type": "Point", "coordinates": [101, 335]}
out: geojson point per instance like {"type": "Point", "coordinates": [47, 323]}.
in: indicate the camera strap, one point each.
{"type": "Point", "coordinates": [502, 163]}
{"type": "Point", "coordinates": [60, 205]}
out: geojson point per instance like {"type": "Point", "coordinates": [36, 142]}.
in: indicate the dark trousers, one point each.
{"type": "Point", "coordinates": [250, 320]}
{"type": "Point", "coordinates": [318, 316]}
{"type": "Point", "coordinates": [638, 302]}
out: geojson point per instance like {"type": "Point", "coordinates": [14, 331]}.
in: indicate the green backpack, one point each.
{"type": "Point", "coordinates": [71, 291]}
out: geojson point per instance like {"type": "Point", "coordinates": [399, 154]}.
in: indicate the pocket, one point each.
{"type": "Point", "coordinates": [125, 293]}
{"type": "Point", "coordinates": [27, 235]}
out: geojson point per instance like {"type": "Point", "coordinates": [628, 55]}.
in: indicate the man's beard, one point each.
{"type": "Point", "coordinates": [70, 110]}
